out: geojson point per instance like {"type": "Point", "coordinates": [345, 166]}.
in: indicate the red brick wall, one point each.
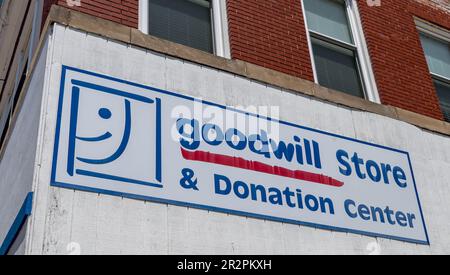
{"type": "Point", "coordinates": [397, 56]}
{"type": "Point", "coordinates": [121, 11]}
{"type": "Point", "coordinates": [270, 33]}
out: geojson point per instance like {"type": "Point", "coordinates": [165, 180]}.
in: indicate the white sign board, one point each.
{"type": "Point", "coordinates": [130, 140]}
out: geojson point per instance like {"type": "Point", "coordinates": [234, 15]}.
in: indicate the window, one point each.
{"type": "Point", "coordinates": [23, 58]}
{"type": "Point", "coordinates": [199, 24]}
{"type": "Point", "coordinates": [339, 56]}
{"type": "Point", "coordinates": [436, 46]}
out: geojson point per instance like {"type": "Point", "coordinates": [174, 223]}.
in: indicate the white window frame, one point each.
{"type": "Point", "coordinates": [364, 62]}
{"type": "Point", "coordinates": [436, 32]}
{"type": "Point", "coordinates": [219, 20]}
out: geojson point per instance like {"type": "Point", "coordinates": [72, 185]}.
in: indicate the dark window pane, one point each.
{"type": "Point", "coordinates": [337, 68]}
{"type": "Point", "coordinates": [186, 22]}
{"type": "Point", "coordinates": [443, 91]}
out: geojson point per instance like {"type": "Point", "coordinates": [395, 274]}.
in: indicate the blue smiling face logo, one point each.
{"type": "Point", "coordinates": [106, 135]}
{"type": "Point", "coordinates": [104, 113]}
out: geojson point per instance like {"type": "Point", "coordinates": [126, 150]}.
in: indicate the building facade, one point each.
{"type": "Point", "coordinates": [243, 127]}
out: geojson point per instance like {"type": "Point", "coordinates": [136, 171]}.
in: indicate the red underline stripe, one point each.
{"type": "Point", "coordinates": [257, 166]}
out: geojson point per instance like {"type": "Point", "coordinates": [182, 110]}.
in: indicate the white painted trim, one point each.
{"type": "Point", "coordinates": [219, 25]}
{"type": "Point", "coordinates": [143, 16]}
{"type": "Point", "coordinates": [432, 30]}
{"type": "Point", "coordinates": [365, 63]}
{"type": "Point", "coordinates": [308, 38]}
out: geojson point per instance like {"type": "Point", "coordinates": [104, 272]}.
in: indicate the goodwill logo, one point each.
{"type": "Point", "coordinates": [126, 139]}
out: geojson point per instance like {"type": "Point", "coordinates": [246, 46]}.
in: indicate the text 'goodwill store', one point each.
{"type": "Point", "coordinates": [232, 127]}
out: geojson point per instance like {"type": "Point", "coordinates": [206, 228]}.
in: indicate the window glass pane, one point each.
{"type": "Point", "coordinates": [186, 22]}
{"type": "Point", "coordinates": [337, 68]}
{"type": "Point", "coordinates": [443, 91]}
{"type": "Point", "coordinates": [437, 53]}
{"type": "Point", "coordinates": [328, 17]}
